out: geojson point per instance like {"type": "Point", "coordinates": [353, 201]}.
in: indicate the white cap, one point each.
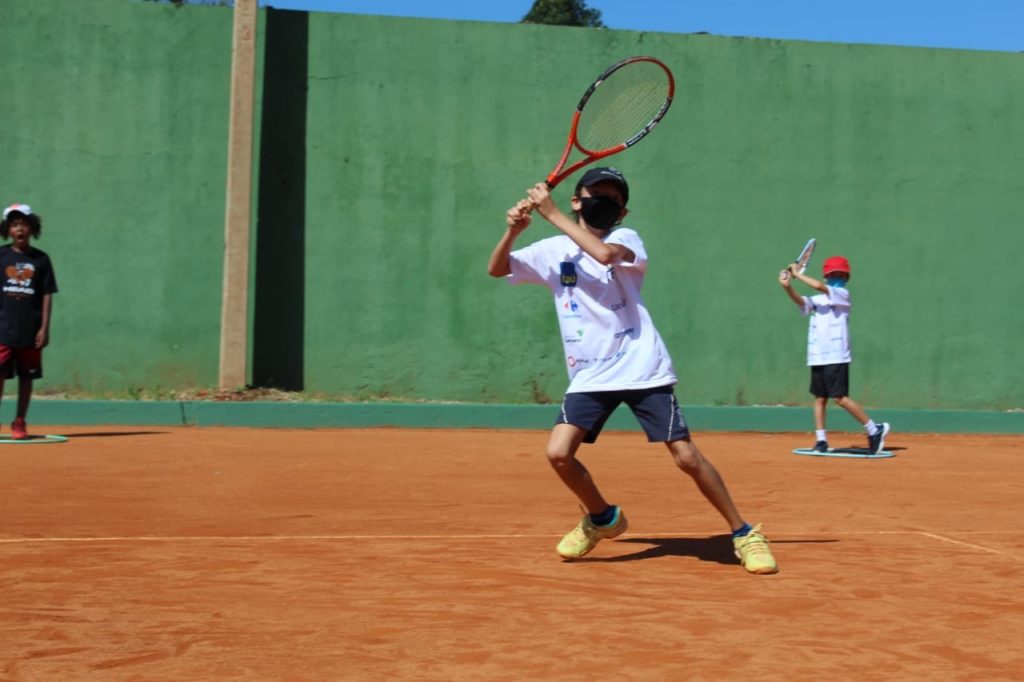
{"type": "Point", "coordinates": [20, 208]}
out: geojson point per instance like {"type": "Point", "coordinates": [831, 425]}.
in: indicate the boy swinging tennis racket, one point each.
{"type": "Point", "coordinates": [828, 347]}
{"type": "Point", "coordinates": [613, 352]}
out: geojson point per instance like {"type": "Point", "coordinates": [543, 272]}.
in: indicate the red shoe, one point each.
{"type": "Point", "coordinates": [19, 430]}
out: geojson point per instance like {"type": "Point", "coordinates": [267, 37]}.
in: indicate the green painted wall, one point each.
{"type": "Point", "coordinates": [421, 133]}
{"type": "Point", "coordinates": [376, 221]}
{"type": "Point", "coordinates": [114, 125]}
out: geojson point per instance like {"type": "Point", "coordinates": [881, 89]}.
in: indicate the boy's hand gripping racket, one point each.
{"type": "Point", "coordinates": [805, 256]}
{"type": "Point", "coordinates": [618, 110]}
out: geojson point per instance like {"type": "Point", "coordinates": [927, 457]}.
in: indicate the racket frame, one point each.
{"type": "Point", "coordinates": [560, 173]}
{"type": "Point", "coordinates": [805, 255]}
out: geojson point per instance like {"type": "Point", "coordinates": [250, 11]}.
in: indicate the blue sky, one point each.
{"type": "Point", "coordinates": [960, 24]}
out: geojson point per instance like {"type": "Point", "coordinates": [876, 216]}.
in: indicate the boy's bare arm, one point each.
{"type": "Point", "coordinates": [517, 219]}
{"type": "Point", "coordinates": [603, 253]}
{"type": "Point", "coordinates": [43, 335]}
{"type": "Point", "coordinates": [815, 284]}
{"type": "Point", "coordinates": [786, 280]}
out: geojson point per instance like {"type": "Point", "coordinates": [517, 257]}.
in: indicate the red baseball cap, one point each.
{"type": "Point", "coordinates": [835, 264]}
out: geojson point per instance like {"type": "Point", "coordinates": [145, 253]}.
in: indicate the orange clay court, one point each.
{"type": "Point", "coordinates": [176, 553]}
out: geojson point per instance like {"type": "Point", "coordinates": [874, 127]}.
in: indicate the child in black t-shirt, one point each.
{"type": "Point", "coordinates": [25, 304]}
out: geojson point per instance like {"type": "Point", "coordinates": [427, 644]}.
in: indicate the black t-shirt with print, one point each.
{"type": "Point", "coordinates": [26, 278]}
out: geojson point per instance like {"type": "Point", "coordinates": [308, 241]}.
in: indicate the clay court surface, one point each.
{"type": "Point", "coordinates": [132, 553]}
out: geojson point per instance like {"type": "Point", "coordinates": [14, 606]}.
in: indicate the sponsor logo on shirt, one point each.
{"type": "Point", "coordinates": [571, 307]}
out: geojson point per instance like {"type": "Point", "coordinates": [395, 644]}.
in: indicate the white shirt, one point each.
{"type": "Point", "coordinates": [608, 336]}
{"type": "Point", "coordinates": [828, 335]}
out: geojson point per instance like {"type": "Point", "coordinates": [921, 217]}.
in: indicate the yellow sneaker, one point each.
{"type": "Point", "coordinates": [753, 553]}
{"type": "Point", "coordinates": [585, 536]}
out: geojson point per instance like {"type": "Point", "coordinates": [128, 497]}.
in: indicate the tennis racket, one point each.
{"type": "Point", "coordinates": [805, 255]}
{"type": "Point", "coordinates": [619, 109]}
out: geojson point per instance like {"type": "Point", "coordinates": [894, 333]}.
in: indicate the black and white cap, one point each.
{"type": "Point", "coordinates": [24, 209]}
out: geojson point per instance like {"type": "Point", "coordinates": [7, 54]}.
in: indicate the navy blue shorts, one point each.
{"type": "Point", "coordinates": [655, 408]}
{"type": "Point", "coordinates": [830, 381]}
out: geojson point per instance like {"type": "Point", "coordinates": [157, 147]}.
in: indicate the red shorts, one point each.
{"type": "Point", "coordinates": [26, 362]}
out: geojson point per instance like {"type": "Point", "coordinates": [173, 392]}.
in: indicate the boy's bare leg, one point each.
{"type": "Point", "coordinates": [819, 413]}
{"type": "Point", "coordinates": [24, 396]}
{"type": "Point", "coordinates": [690, 460]}
{"type": "Point", "coordinates": [854, 408]}
{"type": "Point", "coordinates": [565, 440]}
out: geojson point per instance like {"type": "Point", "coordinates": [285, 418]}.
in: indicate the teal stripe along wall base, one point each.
{"type": "Point", "coordinates": [480, 416]}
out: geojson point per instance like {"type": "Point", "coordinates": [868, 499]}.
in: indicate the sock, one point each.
{"type": "Point", "coordinates": [820, 434]}
{"type": "Point", "coordinates": [742, 530]}
{"type": "Point", "coordinates": [872, 427]}
{"type": "Point", "coordinates": [605, 517]}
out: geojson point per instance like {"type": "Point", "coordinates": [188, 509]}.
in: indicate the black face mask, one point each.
{"type": "Point", "coordinates": [600, 212]}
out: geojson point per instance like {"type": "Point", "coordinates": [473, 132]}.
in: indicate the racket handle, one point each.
{"type": "Point", "coordinates": [533, 206]}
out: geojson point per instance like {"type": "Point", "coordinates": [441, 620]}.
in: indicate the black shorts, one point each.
{"type": "Point", "coordinates": [830, 381]}
{"type": "Point", "coordinates": [27, 363]}
{"type": "Point", "coordinates": [655, 408]}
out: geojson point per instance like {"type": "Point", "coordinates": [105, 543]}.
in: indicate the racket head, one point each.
{"type": "Point", "coordinates": [620, 108]}
{"type": "Point", "coordinates": [805, 255]}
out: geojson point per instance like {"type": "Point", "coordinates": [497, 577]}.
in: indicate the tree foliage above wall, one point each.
{"type": "Point", "coordinates": [563, 13]}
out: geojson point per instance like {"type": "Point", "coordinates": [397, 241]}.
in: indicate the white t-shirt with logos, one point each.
{"type": "Point", "coordinates": [828, 335]}
{"type": "Point", "coordinates": [609, 339]}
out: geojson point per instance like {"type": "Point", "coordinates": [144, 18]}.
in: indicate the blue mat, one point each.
{"type": "Point", "coordinates": [852, 453]}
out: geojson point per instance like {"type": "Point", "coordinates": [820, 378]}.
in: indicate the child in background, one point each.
{"type": "Point", "coordinates": [28, 287]}
{"type": "Point", "coordinates": [828, 347]}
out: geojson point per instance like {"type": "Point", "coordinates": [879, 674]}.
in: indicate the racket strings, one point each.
{"type": "Point", "coordinates": [623, 105]}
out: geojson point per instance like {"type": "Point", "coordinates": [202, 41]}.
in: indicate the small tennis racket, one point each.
{"type": "Point", "coordinates": [805, 255]}
{"type": "Point", "coordinates": [618, 110]}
